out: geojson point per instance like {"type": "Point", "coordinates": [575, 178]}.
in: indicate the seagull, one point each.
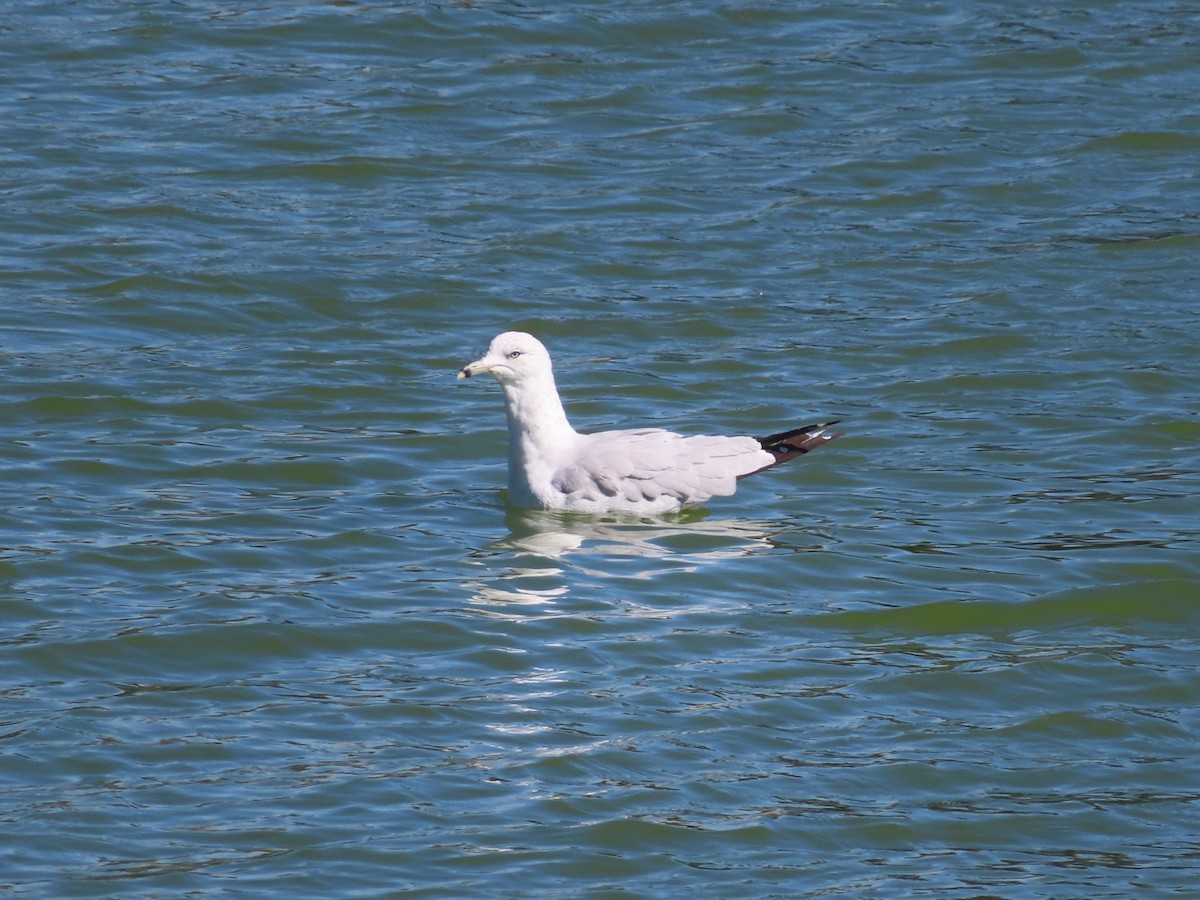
{"type": "Point", "coordinates": [646, 471]}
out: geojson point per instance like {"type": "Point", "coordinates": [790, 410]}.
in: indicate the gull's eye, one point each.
{"type": "Point", "coordinates": [513, 354]}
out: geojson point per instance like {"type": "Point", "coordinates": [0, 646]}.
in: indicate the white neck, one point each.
{"type": "Point", "coordinates": [538, 433]}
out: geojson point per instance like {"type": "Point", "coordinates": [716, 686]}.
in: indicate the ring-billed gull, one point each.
{"type": "Point", "coordinates": [644, 470]}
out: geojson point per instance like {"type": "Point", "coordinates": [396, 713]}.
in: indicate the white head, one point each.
{"type": "Point", "coordinates": [512, 358]}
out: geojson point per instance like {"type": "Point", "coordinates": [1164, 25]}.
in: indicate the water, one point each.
{"type": "Point", "coordinates": [267, 626]}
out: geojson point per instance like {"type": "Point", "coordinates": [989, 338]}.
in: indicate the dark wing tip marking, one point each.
{"type": "Point", "coordinates": [790, 444]}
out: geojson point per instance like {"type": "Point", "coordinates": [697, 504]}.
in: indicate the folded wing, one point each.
{"type": "Point", "coordinates": [644, 465]}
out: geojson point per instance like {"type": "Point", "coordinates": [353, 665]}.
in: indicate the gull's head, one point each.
{"type": "Point", "coordinates": [512, 358]}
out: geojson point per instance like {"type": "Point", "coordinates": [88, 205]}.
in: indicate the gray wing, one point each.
{"type": "Point", "coordinates": [643, 465]}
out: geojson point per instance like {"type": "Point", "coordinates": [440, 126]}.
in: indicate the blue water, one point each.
{"type": "Point", "coordinates": [266, 624]}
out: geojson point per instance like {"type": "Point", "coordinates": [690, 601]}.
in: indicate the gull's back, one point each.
{"type": "Point", "coordinates": [651, 470]}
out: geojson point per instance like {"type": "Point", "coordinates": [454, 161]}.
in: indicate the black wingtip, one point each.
{"type": "Point", "coordinates": [807, 431]}
{"type": "Point", "coordinates": [788, 444]}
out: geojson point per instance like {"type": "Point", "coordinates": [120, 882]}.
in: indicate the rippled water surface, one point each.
{"type": "Point", "coordinates": [266, 624]}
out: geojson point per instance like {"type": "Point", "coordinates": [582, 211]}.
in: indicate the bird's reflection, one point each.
{"type": "Point", "coordinates": [690, 536]}
{"type": "Point", "coordinates": [544, 552]}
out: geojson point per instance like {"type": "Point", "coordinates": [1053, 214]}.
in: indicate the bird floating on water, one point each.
{"type": "Point", "coordinates": [642, 470]}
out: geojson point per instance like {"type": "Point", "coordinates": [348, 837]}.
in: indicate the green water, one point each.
{"type": "Point", "coordinates": [266, 625]}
